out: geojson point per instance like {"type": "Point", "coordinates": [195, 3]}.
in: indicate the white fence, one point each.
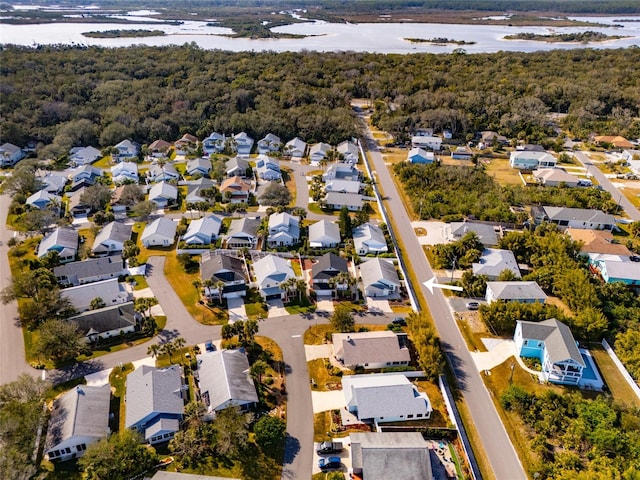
{"type": "Point", "coordinates": [627, 376]}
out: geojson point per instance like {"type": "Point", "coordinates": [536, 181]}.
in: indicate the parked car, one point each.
{"type": "Point", "coordinates": [634, 258]}
{"type": "Point", "coordinates": [326, 448]}
{"type": "Point", "coordinates": [209, 346]}
{"type": "Point", "coordinates": [473, 305]}
{"type": "Point", "coordinates": [399, 321]}
{"type": "Point", "coordinates": [329, 463]}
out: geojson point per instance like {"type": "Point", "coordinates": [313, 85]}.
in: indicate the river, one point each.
{"type": "Point", "coordinates": [324, 37]}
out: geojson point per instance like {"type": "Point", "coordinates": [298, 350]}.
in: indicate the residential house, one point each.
{"type": "Point", "coordinates": [462, 153]}
{"type": "Point", "coordinates": [43, 199]}
{"type": "Point", "coordinates": [79, 418]}
{"type": "Point", "coordinates": [90, 270]}
{"type": "Point", "coordinates": [494, 261]}
{"type": "Point", "coordinates": [324, 270]}
{"type": "Point", "coordinates": [324, 234]}
{"type": "Point", "coordinates": [632, 157]}
{"type": "Point", "coordinates": [319, 152]}
{"type": "Point", "coordinates": [83, 176]}
{"type": "Point", "coordinates": [124, 172]}
{"type": "Point", "coordinates": [214, 143]}
{"type": "Point", "coordinates": [268, 168]}
{"type": "Point", "coordinates": [163, 173]}
{"type": "Point", "coordinates": [554, 177]}
{"type": "Point", "coordinates": [379, 278]}
{"type": "Point", "coordinates": [126, 149]}
{"type": "Point", "coordinates": [111, 238]}
{"type": "Point", "coordinates": [552, 343]}
{"type": "Point", "coordinates": [515, 291]}
{"type": "Point", "coordinates": [243, 143]}
{"type": "Point", "coordinates": [159, 149]}
{"type": "Point", "coordinates": [371, 350]}
{"type": "Point", "coordinates": [52, 181]}
{"type": "Point", "coordinates": [61, 240]}
{"type": "Point", "coordinates": [76, 207]}
{"type": "Point", "coordinates": [574, 217]}
{"type": "Point", "coordinates": [490, 138]}
{"type": "Point", "coordinates": [349, 152]}
{"type": "Point", "coordinates": [385, 455]}
{"type": "Point", "coordinates": [107, 322]}
{"type": "Point", "coordinates": [159, 233]}
{"type": "Point", "coordinates": [615, 268]}
{"type": "Point", "coordinates": [163, 194]}
{"type": "Point", "coordinates": [186, 144]}
{"type": "Point", "coordinates": [195, 189]}
{"type": "Point", "coordinates": [427, 141]}
{"type": "Point", "coordinates": [165, 475]}
{"type": "Point", "coordinates": [531, 160]}
{"type": "Point", "coordinates": [243, 232]}
{"type": "Point", "coordinates": [224, 381]}
{"type": "Point", "coordinates": [154, 402]}
{"type": "Point", "coordinates": [454, 231]}
{"type": "Point", "coordinates": [199, 166]}
{"type": "Point", "coordinates": [615, 140]}
{"type": "Point", "coordinates": [343, 186]}
{"type": "Point", "coordinates": [338, 200]}
{"type": "Point", "coordinates": [269, 144]}
{"type": "Point", "coordinates": [419, 155]}
{"type": "Point", "coordinates": [528, 147]}
{"type": "Point", "coordinates": [341, 171]}
{"type": "Point", "coordinates": [284, 230]}
{"type": "Point", "coordinates": [369, 238]}
{"type": "Point", "coordinates": [295, 148]}
{"type": "Point", "coordinates": [271, 271]}
{"type": "Point", "coordinates": [10, 155]}
{"type": "Point", "coordinates": [117, 204]}
{"type": "Point", "coordinates": [110, 291]}
{"type": "Point", "coordinates": [384, 397]}
{"type": "Point", "coordinates": [597, 241]}
{"type": "Point", "coordinates": [84, 155]}
{"type": "Point", "coordinates": [203, 231]}
{"type": "Point", "coordinates": [237, 167]}
{"type": "Point", "coordinates": [236, 189]}
{"type": "Point", "coordinates": [226, 269]}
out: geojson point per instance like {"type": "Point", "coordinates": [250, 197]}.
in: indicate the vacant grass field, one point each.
{"type": "Point", "coordinates": [620, 389]}
{"type": "Point", "coordinates": [632, 194]}
{"type": "Point", "coordinates": [502, 172]}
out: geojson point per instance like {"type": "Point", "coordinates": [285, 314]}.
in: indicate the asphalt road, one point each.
{"type": "Point", "coordinates": [502, 456]}
{"type": "Point", "coordinates": [618, 197]}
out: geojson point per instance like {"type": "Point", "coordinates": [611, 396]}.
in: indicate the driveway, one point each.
{"type": "Point", "coordinates": [299, 173]}
{"type": "Point", "coordinates": [435, 232]}
{"type": "Point", "coordinates": [313, 352]}
{"type": "Point", "coordinates": [378, 305]}
{"type": "Point", "coordinates": [325, 304]}
{"type": "Point", "coordinates": [323, 401]}
{"type": "Point", "coordinates": [237, 310]}
{"type": "Point", "coordinates": [276, 308]}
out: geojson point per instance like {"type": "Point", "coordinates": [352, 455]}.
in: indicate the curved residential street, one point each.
{"type": "Point", "coordinates": [502, 456]}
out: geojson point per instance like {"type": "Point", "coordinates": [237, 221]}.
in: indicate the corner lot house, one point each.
{"type": "Point", "coordinates": [379, 278]}
{"type": "Point", "coordinates": [42, 199]}
{"type": "Point", "coordinates": [341, 171]}
{"type": "Point", "coordinates": [384, 397]}
{"type": "Point", "coordinates": [368, 238]}
{"type": "Point", "coordinates": [531, 160]}
{"type": "Point", "coordinates": [349, 152]}
{"type": "Point", "coordinates": [111, 239]}
{"type": "Point", "coordinates": [597, 241]}
{"type": "Point", "coordinates": [79, 418]}
{"type": "Point", "coordinates": [574, 217]}
{"type": "Point", "coordinates": [552, 343]}
{"type": "Point", "coordinates": [271, 272]}
{"type": "Point", "coordinates": [243, 232]}
{"type": "Point", "coordinates": [110, 291]}
{"type": "Point", "coordinates": [284, 230]}
{"type": "Point", "coordinates": [615, 268]}
{"type": "Point", "coordinates": [203, 231]}
{"type": "Point", "coordinates": [224, 380]}
{"type": "Point", "coordinates": [159, 233]}
{"type": "Point", "coordinates": [90, 270]}
{"type": "Point", "coordinates": [226, 269]}
{"type": "Point", "coordinates": [268, 168]}
{"type": "Point", "coordinates": [554, 177]}
{"type": "Point", "coordinates": [154, 403]}
{"type": "Point", "coordinates": [10, 155]}
{"type": "Point", "coordinates": [386, 455]}
{"type": "Point", "coordinates": [61, 240]}
{"type": "Point", "coordinates": [522, 292]}
{"type": "Point", "coordinates": [107, 322]}
{"type": "Point", "coordinates": [324, 234]}
{"type": "Point", "coordinates": [295, 148]}
{"type": "Point", "coordinates": [319, 151]}
{"type": "Point", "coordinates": [495, 260]}
{"type": "Point", "coordinates": [371, 350]}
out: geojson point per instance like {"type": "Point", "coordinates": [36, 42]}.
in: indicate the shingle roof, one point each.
{"type": "Point", "coordinates": [236, 163]}
{"type": "Point", "coordinates": [558, 340]}
{"type": "Point", "coordinates": [199, 164]}
{"type": "Point", "coordinates": [235, 184]}
{"type": "Point", "coordinates": [579, 215]}
{"type": "Point", "coordinates": [65, 238]}
{"type": "Point", "coordinates": [344, 199]}
{"type": "Point", "coordinates": [244, 226]}
{"type": "Point", "coordinates": [106, 319]}
{"type": "Point", "coordinates": [274, 268]}
{"type": "Point", "coordinates": [516, 291]}
{"type": "Point", "coordinates": [494, 260]}
{"type": "Point", "coordinates": [115, 231]}
{"type": "Point", "coordinates": [486, 233]}
{"type": "Point", "coordinates": [160, 226]}
{"type": "Point", "coordinates": [110, 291]}
{"type": "Point", "coordinates": [90, 267]}
{"type": "Point", "coordinates": [376, 269]}
{"type": "Point", "coordinates": [208, 227]}
{"type": "Point", "coordinates": [329, 262]}
{"type": "Point", "coordinates": [597, 241]}
{"type": "Point", "coordinates": [163, 190]}
{"type": "Point", "coordinates": [213, 265]}
{"type": "Point", "coordinates": [369, 347]}
{"type": "Point", "coordinates": [368, 235]}
{"type": "Point", "coordinates": [324, 230]}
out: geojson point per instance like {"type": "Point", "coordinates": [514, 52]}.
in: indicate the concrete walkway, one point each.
{"type": "Point", "coordinates": [323, 401]}
{"type": "Point", "coordinates": [313, 352]}
{"type": "Point", "coordinates": [237, 310]}
{"type": "Point", "coordinates": [500, 350]}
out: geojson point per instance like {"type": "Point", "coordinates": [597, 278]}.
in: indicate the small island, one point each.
{"type": "Point", "coordinates": [578, 37]}
{"type": "Point", "coordinates": [125, 34]}
{"type": "Point", "coordinates": [439, 41]}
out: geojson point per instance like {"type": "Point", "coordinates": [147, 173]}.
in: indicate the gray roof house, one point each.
{"type": "Point", "coordinates": [371, 350]}
{"type": "Point", "coordinates": [384, 397]}
{"type": "Point", "coordinates": [343, 186]}
{"type": "Point", "coordinates": [90, 270]}
{"type": "Point", "coordinates": [127, 149]}
{"type": "Point", "coordinates": [523, 292]}
{"type": "Point", "coordinates": [243, 232]}
{"type": "Point", "coordinates": [379, 277]}
{"type": "Point", "coordinates": [159, 233]}
{"type": "Point", "coordinates": [10, 154]}
{"type": "Point", "coordinates": [199, 166]}
{"type": "Point", "coordinates": [284, 229]}
{"type": "Point", "coordinates": [163, 173]}
{"type": "Point", "coordinates": [107, 322]}
{"type": "Point", "coordinates": [341, 171]}
{"type": "Point", "coordinates": [368, 238]}
{"type": "Point", "coordinates": [224, 380]}
{"type": "Point", "coordinates": [268, 168]}
{"type": "Point", "coordinates": [319, 151]}
{"type": "Point", "coordinates": [236, 166]}
{"type": "Point", "coordinates": [42, 199]}
{"type": "Point", "coordinates": [154, 403]}
{"type": "Point", "coordinates": [84, 155]}
{"type": "Point", "coordinates": [270, 143]}
{"type": "Point", "coordinates": [83, 176]}
{"type": "Point", "coordinates": [486, 233]}
{"type": "Point", "coordinates": [349, 152]}
{"type": "Point", "coordinates": [52, 182]}
{"type": "Point", "coordinates": [111, 238]}
{"type": "Point", "coordinates": [337, 200]}
{"type": "Point", "coordinates": [110, 291]}
{"type": "Point", "coordinates": [214, 143]}
{"type": "Point", "coordinates": [386, 455]}
{"type": "Point", "coordinates": [295, 148]}
{"type": "Point", "coordinates": [124, 172]}
{"type": "Point", "coordinates": [203, 231]}
{"type": "Point", "coordinates": [574, 217]}
{"type": "Point", "coordinates": [163, 194]}
{"type": "Point", "coordinates": [195, 188]}
{"type": "Point", "coordinates": [493, 261]}
{"type": "Point", "coordinates": [324, 234]}
{"type": "Point", "coordinates": [271, 271]}
{"type": "Point", "coordinates": [62, 240]}
{"type": "Point", "coordinates": [79, 418]}
{"type": "Point", "coordinates": [243, 143]}
{"type": "Point", "coordinates": [76, 207]}
{"type": "Point", "coordinates": [226, 269]}
{"type": "Point", "coordinates": [327, 267]}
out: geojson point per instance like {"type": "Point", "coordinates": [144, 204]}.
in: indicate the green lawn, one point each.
{"type": "Point", "coordinates": [324, 377]}
{"type": "Point", "coordinates": [618, 386]}
{"type": "Point", "coordinates": [297, 306]}
{"type": "Point", "coordinates": [117, 379]}
{"type": "Point", "coordinates": [316, 335]}
{"type": "Point", "coordinates": [141, 282]}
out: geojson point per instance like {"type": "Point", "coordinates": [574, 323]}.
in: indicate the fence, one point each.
{"type": "Point", "coordinates": [627, 376]}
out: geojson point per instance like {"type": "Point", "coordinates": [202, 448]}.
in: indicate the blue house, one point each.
{"type": "Point", "coordinates": [10, 155]}
{"type": "Point", "coordinates": [243, 143]}
{"type": "Point", "coordinates": [552, 343]}
{"type": "Point", "coordinates": [126, 149]}
{"type": "Point", "coordinates": [531, 160]}
{"type": "Point", "coordinates": [615, 268]}
{"type": "Point", "coordinates": [154, 403]}
{"type": "Point", "coordinates": [214, 143]}
{"type": "Point", "coordinates": [420, 155]}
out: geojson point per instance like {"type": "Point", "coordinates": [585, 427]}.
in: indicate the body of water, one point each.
{"type": "Point", "coordinates": [324, 37]}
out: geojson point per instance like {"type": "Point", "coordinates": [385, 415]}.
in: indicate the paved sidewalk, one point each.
{"type": "Point", "coordinates": [237, 310]}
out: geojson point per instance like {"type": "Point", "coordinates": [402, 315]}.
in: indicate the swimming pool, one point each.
{"type": "Point", "coordinates": [590, 376]}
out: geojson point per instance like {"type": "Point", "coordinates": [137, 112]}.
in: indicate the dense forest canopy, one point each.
{"type": "Point", "coordinates": [68, 96]}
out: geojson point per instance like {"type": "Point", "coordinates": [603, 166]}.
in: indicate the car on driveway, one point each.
{"type": "Point", "coordinates": [209, 346]}
{"type": "Point", "coordinates": [473, 305]}
{"type": "Point", "coordinates": [326, 448]}
{"type": "Point", "coordinates": [399, 321]}
{"type": "Point", "coordinates": [329, 463]}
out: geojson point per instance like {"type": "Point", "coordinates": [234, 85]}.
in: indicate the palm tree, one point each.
{"type": "Point", "coordinates": [258, 369]}
{"type": "Point", "coordinates": [154, 350]}
{"type": "Point", "coordinates": [286, 286]}
{"type": "Point", "coordinates": [179, 344]}
{"type": "Point", "coordinates": [228, 331]}
{"type": "Point", "coordinates": [208, 283]}
{"type": "Point", "coordinates": [220, 287]}
{"type": "Point", "coordinates": [197, 284]}
{"type": "Point", "coordinates": [168, 349]}
{"type": "Point", "coordinates": [300, 286]}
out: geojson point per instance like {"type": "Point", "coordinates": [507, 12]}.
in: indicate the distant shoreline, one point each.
{"type": "Point", "coordinates": [124, 33]}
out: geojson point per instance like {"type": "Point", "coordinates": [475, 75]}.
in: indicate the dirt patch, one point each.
{"type": "Point", "coordinates": [421, 232]}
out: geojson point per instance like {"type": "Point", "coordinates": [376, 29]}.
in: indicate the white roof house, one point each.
{"type": "Point", "coordinates": [224, 380]}
{"type": "Point", "coordinates": [284, 229]}
{"type": "Point", "coordinates": [163, 173]}
{"type": "Point", "coordinates": [237, 166]}
{"type": "Point", "coordinates": [110, 291]}
{"type": "Point", "coordinates": [127, 149]}
{"type": "Point", "coordinates": [243, 143]}
{"type": "Point", "coordinates": [427, 141]}
{"type": "Point", "coordinates": [271, 271]}
{"type": "Point", "coordinates": [420, 155]}
{"type": "Point", "coordinates": [324, 234]}
{"type": "Point", "coordinates": [368, 238]}
{"type": "Point", "coordinates": [384, 398]}
{"type": "Point", "coordinates": [203, 231]}
{"type": "Point", "coordinates": [42, 199]}
{"type": "Point", "coordinates": [214, 143]}
{"type": "Point", "coordinates": [163, 194]}
{"type": "Point", "coordinates": [349, 152]}
{"type": "Point", "coordinates": [343, 186]}
{"type": "Point", "coordinates": [79, 418]}
{"type": "Point", "coordinates": [296, 148]}
{"type": "Point", "coordinates": [159, 233]}
{"type": "Point", "coordinates": [493, 261]}
{"type": "Point", "coordinates": [268, 168]}
{"type": "Point", "coordinates": [10, 154]}
{"type": "Point", "coordinates": [84, 155]}
{"type": "Point", "coordinates": [319, 151]}
{"type": "Point", "coordinates": [111, 238]}
{"type": "Point", "coordinates": [523, 292]}
{"type": "Point", "coordinates": [371, 349]}
{"type": "Point", "coordinates": [341, 171]}
{"type": "Point", "coordinates": [270, 143]}
{"type": "Point", "coordinates": [62, 240]}
{"type": "Point", "coordinates": [531, 160]}
{"type": "Point", "coordinates": [199, 166]}
{"type": "Point", "coordinates": [124, 172]}
{"type": "Point", "coordinates": [379, 277]}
